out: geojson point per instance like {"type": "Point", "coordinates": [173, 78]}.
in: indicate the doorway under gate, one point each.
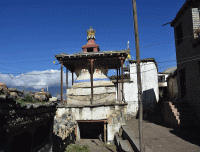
{"type": "Point", "coordinates": [91, 129]}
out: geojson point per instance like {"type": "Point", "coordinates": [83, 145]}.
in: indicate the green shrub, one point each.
{"type": "Point", "coordinates": [77, 148]}
{"type": "Point", "coordinates": [28, 98]}
{"type": "Point", "coordinates": [21, 102]}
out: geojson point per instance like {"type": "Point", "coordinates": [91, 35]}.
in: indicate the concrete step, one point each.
{"type": "Point", "coordinates": [129, 137]}
{"type": "Point", "coordinates": [187, 121]}
{"type": "Point", "coordinates": [128, 134]}
{"type": "Point", "coordinates": [181, 104]}
{"type": "Point", "coordinates": [117, 139]}
{"type": "Point", "coordinates": [125, 146]}
{"type": "Point", "coordinates": [187, 113]}
{"type": "Point", "coordinates": [190, 126]}
{"type": "Point", "coordinates": [182, 116]}
{"type": "Point", "coordinates": [188, 110]}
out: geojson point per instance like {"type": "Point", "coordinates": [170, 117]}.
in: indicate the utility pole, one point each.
{"type": "Point", "coordinates": [138, 76]}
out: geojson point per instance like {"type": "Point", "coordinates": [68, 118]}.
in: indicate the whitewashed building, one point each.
{"type": "Point", "coordinates": [149, 80]}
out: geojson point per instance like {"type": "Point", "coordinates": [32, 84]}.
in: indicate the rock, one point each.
{"type": "Point", "coordinates": [4, 89]}
{"type": "Point", "coordinates": [118, 117]}
{"type": "Point", "coordinates": [53, 99]}
{"type": "Point", "coordinates": [110, 120]}
{"type": "Point", "coordinates": [20, 94]}
{"type": "Point", "coordinates": [115, 121]}
{"type": "Point", "coordinates": [12, 89]}
{"type": "Point", "coordinates": [31, 94]}
{"type": "Point", "coordinates": [2, 96]}
{"type": "Point", "coordinates": [42, 96]}
{"type": "Point", "coordinates": [64, 116]}
{"type": "Point", "coordinates": [50, 96]}
{"type": "Point", "coordinates": [14, 95]}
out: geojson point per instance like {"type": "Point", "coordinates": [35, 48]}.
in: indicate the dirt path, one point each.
{"type": "Point", "coordinates": [161, 138]}
{"type": "Point", "coordinates": [95, 145]}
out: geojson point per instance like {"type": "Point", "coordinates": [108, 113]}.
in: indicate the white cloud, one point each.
{"type": "Point", "coordinates": [36, 79]}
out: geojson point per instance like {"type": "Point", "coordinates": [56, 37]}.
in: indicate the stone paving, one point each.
{"type": "Point", "coordinates": [161, 138]}
{"type": "Point", "coordinates": [95, 145]}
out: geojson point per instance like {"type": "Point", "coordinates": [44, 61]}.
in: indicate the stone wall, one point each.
{"type": "Point", "coordinates": [67, 117]}
{"type": "Point", "coordinates": [115, 121]}
{"type": "Point", "coordinates": [30, 125]}
{"type": "Point", "coordinates": [64, 124]}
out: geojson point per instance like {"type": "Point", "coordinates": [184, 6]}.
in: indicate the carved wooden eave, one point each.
{"type": "Point", "coordinates": [107, 59]}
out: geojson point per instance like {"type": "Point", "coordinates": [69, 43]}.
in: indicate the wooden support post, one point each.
{"type": "Point", "coordinates": [119, 92]}
{"type": "Point", "coordinates": [117, 86]}
{"type": "Point", "coordinates": [66, 82]}
{"type": "Point", "coordinates": [122, 79]}
{"type": "Point", "coordinates": [72, 78]}
{"type": "Point", "coordinates": [105, 132]}
{"type": "Point", "coordinates": [91, 74]}
{"type": "Point", "coordinates": [62, 82]}
{"type": "Point", "coordinates": [76, 134]}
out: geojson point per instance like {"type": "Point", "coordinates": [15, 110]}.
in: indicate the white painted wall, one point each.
{"type": "Point", "coordinates": [149, 80]}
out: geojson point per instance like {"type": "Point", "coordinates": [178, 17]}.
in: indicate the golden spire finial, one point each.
{"type": "Point", "coordinates": [90, 33]}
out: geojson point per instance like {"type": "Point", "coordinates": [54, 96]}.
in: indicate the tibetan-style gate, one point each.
{"type": "Point", "coordinates": [92, 97]}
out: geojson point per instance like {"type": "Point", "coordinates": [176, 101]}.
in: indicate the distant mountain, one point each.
{"type": "Point", "coordinates": [54, 90]}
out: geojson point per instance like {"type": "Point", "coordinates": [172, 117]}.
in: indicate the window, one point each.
{"type": "Point", "coordinates": [196, 21]}
{"type": "Point", "coordinates": [161, 78]}
{"type": "Point", "coordinates": [90, 49]}
{"type": "Point", "coordinates": [182, 83]}
{"type": "Point", "coordinates": [179, 34]}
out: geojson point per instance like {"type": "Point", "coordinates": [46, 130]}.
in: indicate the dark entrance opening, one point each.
{"type": "Point", "coordinates": [21, 142]}
{"type": "Point", "coordinates": [91, 130]}
{"type": "Point", "coordinates": [90, 49]}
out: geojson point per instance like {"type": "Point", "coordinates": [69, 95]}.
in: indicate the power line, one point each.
{"type": "Point", "coordinates": [162, 42]}
{"type": "Point", "coordinates": [130, 49]}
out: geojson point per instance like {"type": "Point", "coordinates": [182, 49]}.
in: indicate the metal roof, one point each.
{"type": "Point", "coordinates": [170, 70]}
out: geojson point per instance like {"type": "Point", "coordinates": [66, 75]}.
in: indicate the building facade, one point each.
{"type": "Point", "coordinates": [162, 81]}
{"type": "Point", "coordinates": [149, 80]}
{"type": "Point", "coordinates": [187, 40]}
{"type": "Point", "coordinates": [172, 86]}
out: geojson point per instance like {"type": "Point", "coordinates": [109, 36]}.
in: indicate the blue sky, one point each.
{"type": "Point", "coordinates": [33, 32]}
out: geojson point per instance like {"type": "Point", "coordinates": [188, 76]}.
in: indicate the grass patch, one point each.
{"type": "Point", "coordinates": [28, 99]}
{"type": "Point", "coordinates": [77, 148]}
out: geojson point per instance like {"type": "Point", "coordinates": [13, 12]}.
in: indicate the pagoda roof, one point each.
{"type": "Point", "coordinates": [110, 59]}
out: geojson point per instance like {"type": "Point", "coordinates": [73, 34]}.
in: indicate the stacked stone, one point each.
{"type": "Point", "coordinates": [17, 94]}
{"type": "Point", "coordinates": [64, 125]}
{"type": "Point", "coordinates": [114, 124]}
{"type": "Point", "coordinates": [4, 89]}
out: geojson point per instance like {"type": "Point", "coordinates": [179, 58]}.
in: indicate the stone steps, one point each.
{"type": "Point", "coordinates": [122, 145]}
{"type": "Point", "coordinates": [126, 141]}
{"type": "Point", "coordinates": [179, 114]}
